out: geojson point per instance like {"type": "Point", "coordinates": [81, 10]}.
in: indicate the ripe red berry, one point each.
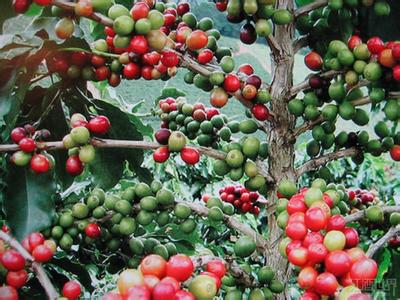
{"type": "Point", "coordinates": [395, 152]}
{"type": "Point", "coordinates": [42, 253]}
{"type": "Point", "coordinates": [260, 112]}
{"type": "Point", "coordinates": [396, 73]}
{"type": "Point", "coordinates": [17, 134]}
{"type": "Point", "coordinates": [216, 267]}
{"type": "Point", "coordinates": [139, 44]}
{"type": "Point", "coordinates": [132, 71]}
{"type": "Point", "coordinates": [183, 8]}
{"type": "Point", "coordinates": [205, 56]}
{"type": "Point", "coordinates": [169, 59]}
{"type": "Point", "coordinates": [74, 165]}
{"type": "Point", "coordinates": [8, 293]}
{"type": "Point", "coordinates": [313, 61]}
{"type": "Point", "coordinates": [140, 10]}
{"type": "Point", "coordinates": [246, 69]}
{"type": "Point", "coordinates": [21, 6]}
{"type": "Point", "coordinates": [12, 260]}
{"type": "Point", "coordinates": [231, 83]}
{"type": "Point", "coordinates": [162, 136]}
{"type": "Point", "coordinates": [35, 239]}
{"type": "Point", "coordinates": [71, 290]}
{"type": "Point", "coordinates": [102, 73]}
{"type": "Point", "coordinates": [375, 45]}
{"type": "Point", "coordinates": [40, 163]}
{"type": "Point", "coordinates": [27, 145]}
{"type": "Point", "coordinates": [99, 125]}
{"type": "Point", "coordinates": [353, 41]}
{"type": "Point", "coordinates": [190, 155]}
{"type": "Point", "coordinates": [16, 279]}
{"type": "Point", "coordinates": [93, 230]}
{"type": "Point", "coordinates": [161, 154]}
{"type": "Point", "coordinates": [43, 2]}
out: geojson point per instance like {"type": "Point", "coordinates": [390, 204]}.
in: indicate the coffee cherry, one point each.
{"type": "Point", "coordinates": [40, 163]}
{"type": "Point", "coordinates": [140, 11]}
{"type": "Point", "coordinates": [231, 83]}
{"type": "Point", "coordinates": [43, 2]}
{"type": "Point", "coordinates": [8, 292]}
{"type": "Point", "coordinates": [73, 165]}
{"type": "Point", "coordinates": [17, 134]}
{"type": "Point", "coordinates": [35, 239]}
{"type": "Point", "coordinates": [196, 40]}
{"type": "Point", "coordinates": [99, 125]}
{"type": "Point", "coordinates": [12, 260]}
{"type": "Point", "coordinates": [83, 8]}
{"type": "Point", "coordinates": [139, 44]}
{"type": "Point", "coordinates": [16, 279]}
{"type": "Point", "coordinates": [93, 230]}
{"type": "Point", "coordinates": [190, 155]}
{"type": "Point", "coordinates": [161, 154]}
{"type": "Point", "coordinates": [42, 253]}
{"type": "Point", "coordinates": [169, 59]}
{"type": "Point", "coordinates": [21, 6]}
{"type": "Point", "coordinates": [20, 158]}
{"type": "Point", "coordinates": [64, 28]}
{"type": "Point", "coordinates": [71, 290]}
{"type": "Point", "coordinates": [205, 56]}
{"type": "Point", "coordinates": [80, 135]}
{"type": "Point", "coordinates": [27, 145]}
{"type": "Point", "coordinates": [260, 112]}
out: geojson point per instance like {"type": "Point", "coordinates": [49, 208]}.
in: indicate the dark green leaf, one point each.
{"type": "Point", "coordinates": [384, 262]}
{"type": "Point", "coordinates": [29, 200]}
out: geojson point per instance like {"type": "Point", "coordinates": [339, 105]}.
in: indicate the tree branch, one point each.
{"type": "Point", "coordinates": [361, 214]}
{"type": "Point", "coordinates": [314, 163]}
{"type": "Point", "coordinates": [300, 43]}
{"type": "Point", "coordinates": [235, 270]}
{"type": "Point", "coordinates": [36, 267]}
{"type": "Point", "coordinates": [305, 84]}
{"type": "Point", "coordinates": [382, 241]}
{"type": "Point", "coordinates": [309, 7]}
{"type": "Point", "coordinates": [95, 16]}
{"type": "Point", "coordinates": [231, 222]}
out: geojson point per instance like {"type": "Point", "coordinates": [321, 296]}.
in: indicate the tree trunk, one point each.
{"type": "Point", "coordinates": [281, 149]}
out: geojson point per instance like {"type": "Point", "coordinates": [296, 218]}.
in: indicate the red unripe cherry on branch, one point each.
{"type": "Point", "coordinates": [254, 80]}
{"type": "Point", "coordinates": [312, 238]}
{"type": "Point", "coordinates": [140, 11]}
{"type": "Point", "coordinates": [396, 73]}
{"type": "Point", "coordinates": [246, 69]}
{"type": "Point", "coordinates": [184, 295]}
{"type": "Point", "coordinates": [338, 262]}
{"type": "Point", "coordinates": [12, 260]}
{"type": "Point", "coordinates": [313, 61]}
{"type": "Point", "coordinates": [180, 267]}
{"type": "Point", "coordinates": [205, 56]}
{"type": "Point", "coordinates": [71, 290]}
{"type": "Point", "coordinates": [315, 219]}
{"type": "Point", "coordinates": [309, 296]}
{"type": "Point", "coordinates": [231, 83]}
{"type": "Point", "coordinates": [21, 6]}
{"type": "Point", "coordinates": [260, 112]}
{"type": "Point", "coordinates": [169, 59]}
{"type": "Point", "coordinates": [132, 71]}
{"type": "Point", "coordinates": [218, 98]}
{"type": "Point", "coordinates": [183, 8]}
{"type": "Point", "coordinates": [217, 267]}
{"type": "Point", "coordinates": [386, 58]}
{"type": "Point", "coordinates": [298, 256]}
{"type": "Point", "coordinates": [363, 272]}
{"type": "Point", "coordinates": [35, 239]}
{"type": "Point", "coordinates": [102, 73]}
{"type": "Point", "coordinates": [352, 238]}
{"type": "Point", "coordinates": [139, 44]}
{"type": "Point", "coordinates": [317, 252]}
{"type": "Point", "coordinates": [296, 230]}
{"type": "Point", "coordinates": [375, 45]}
{"type": "Point", "coordinates": [307, 277]}
{"type": "Point", "coordinates": [336, 222]}
{"type": "Point", "coordinates": [93, 230]}
{"type": "Point", "coordinates": [40, 163]}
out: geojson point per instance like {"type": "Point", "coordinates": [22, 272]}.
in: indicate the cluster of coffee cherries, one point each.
{"type": "Point", "coordinates": [242, 199]}
{"type": "Point", "coordinates": [28, 138]}
{"type": "Point", "coordinates": [158, 279]}
{"type": "Point", "coordinates": [320, 243]}
{"type": "Point", "coordinates": [80, 151]}
{"type": "Point", "coordinates": [360, 198]}
{"type": "Point", "coordinates": [240, 159]}
{"type": "Point", "coordinates": [258, 14]}
{"type": "Point", "coordinates": [15, 264]}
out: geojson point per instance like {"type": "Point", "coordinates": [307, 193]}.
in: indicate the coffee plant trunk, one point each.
{"type": "Point", "coordinates": [281, 145]}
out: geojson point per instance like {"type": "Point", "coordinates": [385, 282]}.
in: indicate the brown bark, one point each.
{"type": "Point", "coordinates": [281, 149]}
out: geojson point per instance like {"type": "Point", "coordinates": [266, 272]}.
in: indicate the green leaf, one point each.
{"type": "Point", "coordinates": [108, 166]}
{"type": "Point", "coordinates": [384, 262]}
{"type": "Point", "coordinates": [29, 200]}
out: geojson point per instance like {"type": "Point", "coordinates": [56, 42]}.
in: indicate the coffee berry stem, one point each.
{"type": "Point", "coordinates": [36, 267]}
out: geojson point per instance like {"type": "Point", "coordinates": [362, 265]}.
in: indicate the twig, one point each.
{"type": "Point", "coordinates": [300, 43]}
{"type": "Point", "coordinates": [314, 163]}
{"type": "Point", "coordinates": [36, 267]}
{"type": "Point", "coordinates": [48, 109]}
{"type": "Point", "coordinates": [309, 7]}
{"type": "Point", "coordinates": [235, 270]}
{"type": "Point", "coordinates": [95, 16]}
{"type": "Point", "coordinates": [231, 222]}
{"type": "Point", "coordinates": [361, 214]}
{"type": "Point", "coordinates": [378, 244]}
{"type": "Point", "coordinates": [305, 84]}
{"type": "Point", "coordinates": [39, 77]}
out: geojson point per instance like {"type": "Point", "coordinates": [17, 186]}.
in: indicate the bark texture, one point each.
{"type": "Point", "coordinates": [281, 149]}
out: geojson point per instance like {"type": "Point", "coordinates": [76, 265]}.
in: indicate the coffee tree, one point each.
{"type": "Point", "coordinates": [89, 214]}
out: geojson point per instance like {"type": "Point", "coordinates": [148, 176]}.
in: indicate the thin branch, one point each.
{"type": "Point", "coordinates": [310, 7]}
{"type": "Point", "coordinates": [95, 16]}
{"type": "Point", "coordinates": [231, 222]}
{"type": "Point", "coordinates": [314, 163]}
{"type": "Point", "coordinates": [39, 77]}
{"type": "Point", "coordinates": [361, 214]}
{"type": "Point", "coordinates": [382, 241]}
{"type": "Point", "coordinates": [305, 84]}
{"type": "Point", "coordinates": [234, 269]}
{"type": "Point", "coordinates": [36, 267]}
{"type": "Point", "coordinates": [300, 43]}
